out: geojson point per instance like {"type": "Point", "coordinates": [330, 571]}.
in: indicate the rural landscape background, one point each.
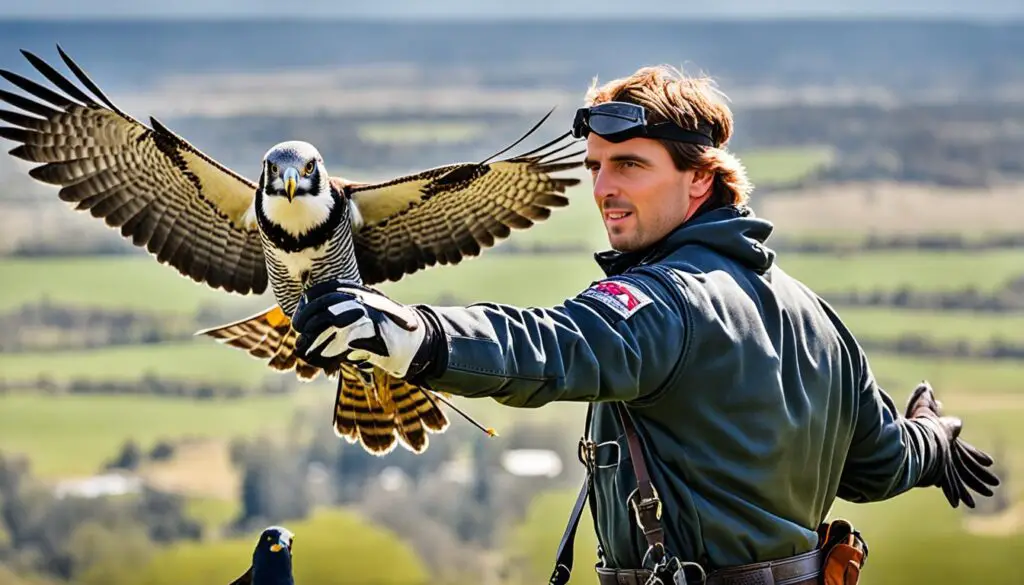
{"type": "Point", "coordinates": [889, 154]}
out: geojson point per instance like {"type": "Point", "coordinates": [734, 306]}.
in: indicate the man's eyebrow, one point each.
{"type": "Point", "coordinates": [589, 162]}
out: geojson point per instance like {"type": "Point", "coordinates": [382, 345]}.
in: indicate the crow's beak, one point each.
{"type": "Point", "coordinates": [291, 179]}
{"type": "Point", "coordinates": [280, 545]}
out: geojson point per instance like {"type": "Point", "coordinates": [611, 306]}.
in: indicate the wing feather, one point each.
{"type": "Point", "coordinates": [157, 189]}
{"type": "Point", "coordinates": [445, 214]}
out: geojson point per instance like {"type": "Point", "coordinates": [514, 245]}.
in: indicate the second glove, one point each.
{"type": "Point", "coordinates": [963, 465]}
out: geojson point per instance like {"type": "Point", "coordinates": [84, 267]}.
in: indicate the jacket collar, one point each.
{"type": "Point", "coordinates": [732, 230]}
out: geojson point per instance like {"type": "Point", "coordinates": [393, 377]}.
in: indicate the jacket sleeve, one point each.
{"type": "Point", "coordinates": [889, 454]}
{"type": "Point", "coordinates": [622, 339]}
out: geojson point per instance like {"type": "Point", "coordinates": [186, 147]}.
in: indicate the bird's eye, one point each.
{"type": "Point", "coordinates": [310, 166]}
{"type": "Point", "coordinates": [273, 169]}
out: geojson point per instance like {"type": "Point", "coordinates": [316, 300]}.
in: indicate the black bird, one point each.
{"type": "Point", "coordinates": [271, 560]}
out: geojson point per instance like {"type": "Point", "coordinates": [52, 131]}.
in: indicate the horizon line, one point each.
{"type": "Point", "coordinates": [1003, 19]}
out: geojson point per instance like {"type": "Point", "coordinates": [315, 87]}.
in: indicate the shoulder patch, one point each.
{"type": "Point", "coordinates": [622, 297]}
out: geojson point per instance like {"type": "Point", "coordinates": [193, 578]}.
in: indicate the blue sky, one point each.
{"type": "Point", "coordinates": [984, 9]}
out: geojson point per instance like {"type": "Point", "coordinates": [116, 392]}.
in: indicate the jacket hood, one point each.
{"type": "Point", "coordinates": [732, 231]}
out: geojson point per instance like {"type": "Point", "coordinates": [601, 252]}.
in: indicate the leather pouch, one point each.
{"type": "Point", "coordinates": [845, 553]}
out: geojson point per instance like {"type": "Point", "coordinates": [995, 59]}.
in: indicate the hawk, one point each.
{"type": "Point", "coordinates": [295, 226]}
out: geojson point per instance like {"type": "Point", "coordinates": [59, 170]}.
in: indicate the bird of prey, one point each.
{"type": "Point", "coordinates": [271, 559]}
{"type": "Point", "coordinates": [296, 226]}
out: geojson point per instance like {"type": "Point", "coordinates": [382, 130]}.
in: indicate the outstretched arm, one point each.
{"type": "Point", "coordinates": [620, 339]}
{"type": "Point", "coordinates": [890, 452]}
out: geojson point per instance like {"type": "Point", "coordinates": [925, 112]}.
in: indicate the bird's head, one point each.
{"type": "Point", "coordinates": [276, 539]}
{"type": "Point", "coordinates": [272, 559]}
{"type": "Point", "coordinates": [293, 170]}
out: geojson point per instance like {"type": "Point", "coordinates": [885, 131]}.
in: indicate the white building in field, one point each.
{"type": "Point", "coordinates": [97, 486]}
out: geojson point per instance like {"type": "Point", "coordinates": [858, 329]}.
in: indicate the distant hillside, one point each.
{"type": "Point", "coordinates": [914, 60]}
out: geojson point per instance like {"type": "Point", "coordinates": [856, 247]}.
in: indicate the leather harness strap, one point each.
{"type": "Point", "coordinates": [644, 501]}
{"type": "Point", "coordinates": [648, 508]}
{"type": "Point", "coordinates": [797, 570]}
{"type": "Point", "coordinates": [564, 557]}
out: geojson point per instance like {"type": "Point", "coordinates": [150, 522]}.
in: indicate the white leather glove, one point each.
{"type": "Point", "coordinates": [344, 321]}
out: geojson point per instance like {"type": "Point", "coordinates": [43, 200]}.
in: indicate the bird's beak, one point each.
{"type": "Point", "coordinates": [291, 178]}
{"type": "Point", "coordinates": [280, 545]}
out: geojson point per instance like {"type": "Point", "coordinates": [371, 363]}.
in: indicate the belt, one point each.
{"type": "Point", "coordinates": [797, 570]}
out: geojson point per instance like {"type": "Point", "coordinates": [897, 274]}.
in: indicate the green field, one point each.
{"type": "Point", "coordinates": [783, 165]}
{"type": "Point", "coordinates": [202, 359]}
{"type": "Point", "coordinates": [946, 326]}
{"type": "Point", "coordinates": [131, 282]}
{"type": "Point", "coordinates": [74, 435]}
{"type": "Point", "coordinates": [331, 547]}
{"type": "Point", "coordinates": [535, 279]}
{"type": "Point", "coordinates": [952, 271]}
{"type": "Point", "coordinates": [419, 132]}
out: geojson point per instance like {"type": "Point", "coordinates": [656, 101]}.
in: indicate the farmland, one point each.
{"type": "Point", "coordinates": [74, 435]}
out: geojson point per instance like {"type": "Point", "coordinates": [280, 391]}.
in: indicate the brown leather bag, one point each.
{"type": "Point", "coordinates": [845, 552]}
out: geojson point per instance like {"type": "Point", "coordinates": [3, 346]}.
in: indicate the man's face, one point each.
{"type": "Point", "coordinates": [639, 192]}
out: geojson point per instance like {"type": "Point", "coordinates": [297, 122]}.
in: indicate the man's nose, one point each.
{"type": "Point", "coordinates": [604, 186]}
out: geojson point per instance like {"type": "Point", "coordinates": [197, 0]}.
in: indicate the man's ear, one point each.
{"type": "Point", "coordinates": [702, 184]}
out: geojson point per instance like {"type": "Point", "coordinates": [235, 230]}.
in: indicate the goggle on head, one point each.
{"type": "Point", "coordinates": [621, 121]}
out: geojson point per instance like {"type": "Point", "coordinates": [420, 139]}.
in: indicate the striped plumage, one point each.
{"type": "Point", "coordinates": [227, 232]}
{"type": "Point", "coordinates": [306, 237]}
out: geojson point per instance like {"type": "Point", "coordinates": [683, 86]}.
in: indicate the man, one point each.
{"type": "Point", "coordinates": [748, 406]}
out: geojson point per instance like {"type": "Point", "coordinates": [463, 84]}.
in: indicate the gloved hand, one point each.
{"type": "Point", "coordinates": [963, 466]}
{"type": "Point", "coordinates": [341, 320]}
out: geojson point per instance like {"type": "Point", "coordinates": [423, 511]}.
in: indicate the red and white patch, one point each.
{"type": "Point", "coordinates": [619, 296]}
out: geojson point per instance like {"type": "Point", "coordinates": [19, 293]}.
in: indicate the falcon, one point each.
{"type": "Point", "coordinates": [295, 226]}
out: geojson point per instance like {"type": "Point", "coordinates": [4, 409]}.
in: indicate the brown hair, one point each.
{"type": "Point", "coordinates": [690, 102]}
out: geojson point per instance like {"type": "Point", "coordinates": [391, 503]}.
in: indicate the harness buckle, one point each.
{"type": "Point", "coordinates": [645, 505]}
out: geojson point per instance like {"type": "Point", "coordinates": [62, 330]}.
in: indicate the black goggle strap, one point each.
{"type": "Point", "coordinates": [670, 131]}
{"type": "Point", "coordinates": [636, 114]}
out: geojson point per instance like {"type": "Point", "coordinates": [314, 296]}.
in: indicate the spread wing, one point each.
{"type": "Point", "coordinates": [441, 215]}
{"type": "Point", "coordinates": [186, 209]}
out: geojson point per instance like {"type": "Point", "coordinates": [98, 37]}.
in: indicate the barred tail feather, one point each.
{"type": "Point", "coordinates": [267, 336]}
{"type": "Point", "coordinates": [374, 409]}
{"type": "Point", "coordinates": [381, 411]}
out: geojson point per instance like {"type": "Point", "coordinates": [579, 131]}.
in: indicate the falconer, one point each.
{"type": "Point", "coordinates": [729, 406]}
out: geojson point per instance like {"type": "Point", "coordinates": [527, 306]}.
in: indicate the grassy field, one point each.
{"type": "Point", "coordinates": [131, 282]}
{"type": "Point", "coordinates": [74, 435]}
{"type": "Point", "coordinates": [943, 326]}
{"type": "Point", "coordinates": [419, 133]}
{"type": "Point", "coordinates": [952, 271]}
{"type": "Point", "coordinates": [331, 547]}
{"type": "Point", "coordinates": [783, 165]}
{"type": "Point", "coordinates": [536, 279]}
{"type": "Point", "coordinates": [202, 359]}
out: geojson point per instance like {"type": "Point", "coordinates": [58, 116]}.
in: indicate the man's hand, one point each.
{"type": "Point", "coordinates": [344, 321]}
{"type": "Point", "coordinates": [964, 466]}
